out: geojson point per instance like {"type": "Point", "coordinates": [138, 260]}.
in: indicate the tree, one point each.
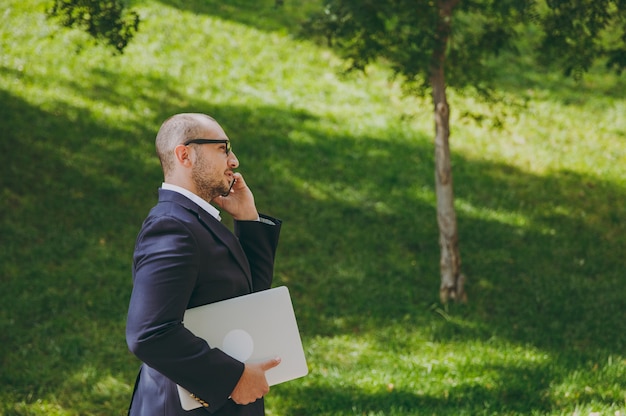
{"type": "Point", "coordinates": [106, 21]}
{"type": "Point", "coordinates": [440, 43]}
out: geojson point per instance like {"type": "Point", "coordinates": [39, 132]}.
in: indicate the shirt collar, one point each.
{"type": "Point", "coordinates": [195, 198]}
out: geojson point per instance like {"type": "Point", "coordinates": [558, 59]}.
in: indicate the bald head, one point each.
{"type": "Point", "coordinates": [179, 128]}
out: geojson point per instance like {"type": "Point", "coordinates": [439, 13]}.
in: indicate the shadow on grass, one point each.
{"type": "Point", "coordinates": [67, 192]}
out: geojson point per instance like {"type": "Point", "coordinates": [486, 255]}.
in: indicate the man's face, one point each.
{"type": "Point", "coordinates": [212, 171]}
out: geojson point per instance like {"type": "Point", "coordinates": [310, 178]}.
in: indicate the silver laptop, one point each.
{"type": "Point", "coordinates": [251, 328]}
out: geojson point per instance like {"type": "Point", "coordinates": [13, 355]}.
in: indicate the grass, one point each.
{"type": "Point", "coordinates": [347, 162]}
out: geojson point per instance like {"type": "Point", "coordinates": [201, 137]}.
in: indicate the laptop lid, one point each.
{"type": "Point", "coordinates": [251, 328]}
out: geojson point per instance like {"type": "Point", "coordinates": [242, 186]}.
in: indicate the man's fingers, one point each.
{"type": "Point", "coordinates": [269, 364]}
{"type": "Point", "coordinates": [240, 182]}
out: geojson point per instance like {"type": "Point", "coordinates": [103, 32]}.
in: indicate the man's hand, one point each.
{"type": "Point", "coordinates": [239, 203]}
{"type": "Point", "coordinates": [253, 385]}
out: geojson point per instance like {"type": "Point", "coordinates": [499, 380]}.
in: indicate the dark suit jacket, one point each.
{"type": "Point", "coordinates": [183, 258]}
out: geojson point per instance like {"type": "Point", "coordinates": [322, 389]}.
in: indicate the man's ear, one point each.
{"type": "Point", "coordinates": [183, 155]}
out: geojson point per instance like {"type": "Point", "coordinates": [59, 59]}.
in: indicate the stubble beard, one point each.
{"type": "Point", "coordinates": [207, 188]}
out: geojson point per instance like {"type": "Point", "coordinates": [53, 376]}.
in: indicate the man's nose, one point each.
{"type": "Point", "coordinates": [233, 162]}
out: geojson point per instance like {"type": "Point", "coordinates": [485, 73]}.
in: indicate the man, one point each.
{"type": "Point", "coordinates": [185, 257]}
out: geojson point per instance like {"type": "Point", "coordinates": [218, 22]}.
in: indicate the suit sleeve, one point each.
{"type": "Point", "coordinates": [165, 267]}
{"type": "Point", "coordinates": [259, 241]}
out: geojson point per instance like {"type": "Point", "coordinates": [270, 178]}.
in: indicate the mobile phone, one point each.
{"type": "Point", "coordinates": [230, 187]}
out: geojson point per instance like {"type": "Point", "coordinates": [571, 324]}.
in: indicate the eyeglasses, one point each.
{"type": "Point", "coordinates": [214, 141]}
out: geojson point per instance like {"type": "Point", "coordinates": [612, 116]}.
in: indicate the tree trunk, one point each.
{"type": "Point", "coordinates": [452, 280]}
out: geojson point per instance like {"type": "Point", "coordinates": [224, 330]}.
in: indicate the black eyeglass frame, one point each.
{"type": "Point", "coordinates": [211, 141]}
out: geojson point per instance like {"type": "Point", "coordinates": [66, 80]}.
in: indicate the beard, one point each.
{"type": "Point", "coordinates": [208, 188]}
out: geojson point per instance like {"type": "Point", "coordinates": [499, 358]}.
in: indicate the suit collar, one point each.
{"type": "Point", "coordinates": [193, 197]}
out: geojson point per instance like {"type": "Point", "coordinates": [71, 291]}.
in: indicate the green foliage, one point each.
{"type": "Point", "coordinates": [106, 21]}
{"type": "Point", "coordinates": [346, 160]}
{"type": "Point", "coordinates": [578, 33]}
{"type": "Point", "coordinates": [407, 33]}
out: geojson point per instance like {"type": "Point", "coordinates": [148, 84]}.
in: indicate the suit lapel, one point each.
{"type": "Point", "coordinates": [222, 233]}
{"type": "Point", "coordinates": [215, 227]}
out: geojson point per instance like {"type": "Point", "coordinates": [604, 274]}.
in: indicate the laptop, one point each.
{"type": "Point", "coordinates": [251, 328]}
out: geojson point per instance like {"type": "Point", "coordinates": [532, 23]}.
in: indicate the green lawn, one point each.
{"type": "Point", "coordinates": [347, 162]}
